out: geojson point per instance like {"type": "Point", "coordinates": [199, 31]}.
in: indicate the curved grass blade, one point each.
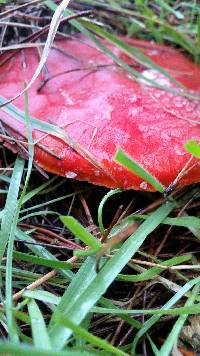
{"type": "Point", "coordinates": [101, 205]}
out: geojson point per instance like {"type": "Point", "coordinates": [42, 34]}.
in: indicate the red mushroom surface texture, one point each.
{"type": "Point", "coordinates": [101, 107]}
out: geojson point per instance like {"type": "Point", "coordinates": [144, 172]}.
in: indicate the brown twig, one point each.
{"type": "Point", "coordinates": [53, 235]}
{"type": "Point", "coordinates": [113, 222]}
{"type": "Point", "coordinates": [35, 284]}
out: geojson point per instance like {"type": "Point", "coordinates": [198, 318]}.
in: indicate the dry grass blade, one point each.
{"type": "Point", "coordinates": [56, 131]}
{"type": "Point", "coordinates": [20, 7]}
{"type": "Point", "coordinates": [51, 35]}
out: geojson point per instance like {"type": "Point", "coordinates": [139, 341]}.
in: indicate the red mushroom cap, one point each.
{"type": "Point", "coordinates": [103, 108]}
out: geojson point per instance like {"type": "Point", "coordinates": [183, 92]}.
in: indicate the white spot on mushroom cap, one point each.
{"type": "Point", "coordinates": [156, 76]}
{"type": "Point", "coordinates": [102, 109]}
{"type": "Point", "coordinates": [179, 102]}
{"type": "Point", "coordinates": [65, 94]}
{"type": "Point", "coordinates": [179, 151]}
{"type": "Point", "coordinates": [153, 52]}
{"type": "Point", "coordinates": [135, 111]}
{"type": "Point", "coordinates": [70, 174]}
{"type": "Point", "coordinates": [133, 98]}
{"type": "Point", "coordinates": [143, 185]}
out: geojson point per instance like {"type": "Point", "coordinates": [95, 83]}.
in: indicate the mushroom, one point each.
{"type": "Point", "coordinates": [101, 107]}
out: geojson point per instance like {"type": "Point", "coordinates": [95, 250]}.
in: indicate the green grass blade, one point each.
{"type": "Point", "coordinates": [126, 161]}
{"type": "Point", "coordinates": [170, 9]}
{"type": "Point", "coordinates": [79, 284]}
{"type": "Point", "coordinates": [43, 296]}
{"type": "Point", "coordinates": [39, 331]}
{"type": "Point", "coordinates": [173, 335]}
{"type": "Point", "coordinates": [193, 147]}
{"type": "Point", "coordinates": [13, 222]}
{"type": "Point", "coordinates": [4, 178]}
{"type": "Point", "coordinates": [101, 205]}
{"type": "Point", "coordinates": [147, 325]}
{"type": "Point", "coordinates": [41, 251]}
{"type": "Point", "coordinates": [11, 205]}
{"type": "Point", "coordinates": [38, 213]}
{"type": "Point", "coordinates": [193, 310]}
{"type": "Point", "coordinates": [52, 201]}
{"type": "Point", "coordinates": [92, 339]}
{"type": "Point", "coordinates": [129, 320]}
{"type": "Point", "coordinates": [42, 261]}
{"type": "Point", "coordinates": [132, 52]}
{"type": "Point", "coordinates": [97, 287]}
{"type": "Point", "coordinates": [85, 253]}
{"type": "Point", "coordinates": [154, 271]}
{"type": "Point", "coordinates": [26, 350]}
{"type": "Point", "coordinates": [184, 221]}
{"type": "Point", "coordinates": [79, 25]}
{"type": "Point", "coordinates": [28, 196]}
{"type": "Point", "coordinates": [79, 231]}
{"type": "Point", "coordinates": [7, 235]}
